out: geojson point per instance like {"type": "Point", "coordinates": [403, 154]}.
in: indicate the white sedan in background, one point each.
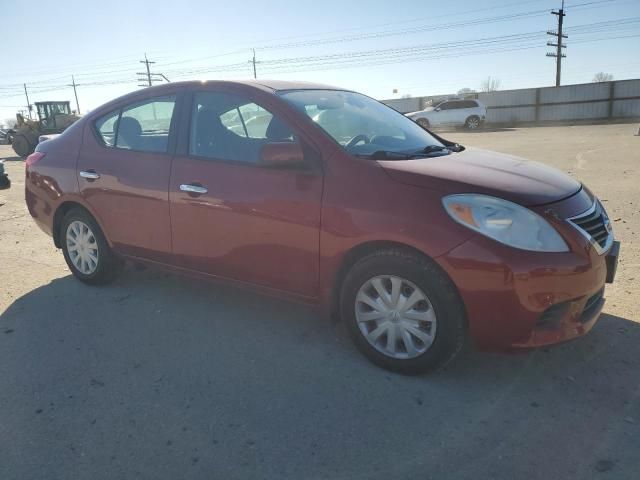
{"type": "Point", "coordinates": [452, 113]}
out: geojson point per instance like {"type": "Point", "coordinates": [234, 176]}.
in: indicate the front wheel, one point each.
{"type": "Point", "coordinates": [403, 312]}
{"type": "Point", "coordinates": [86, 250]}
{"type": "Point", "coordinates": [423, 122]}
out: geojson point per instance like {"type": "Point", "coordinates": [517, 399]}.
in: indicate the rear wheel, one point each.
{"type": "Point", "coordinates": [86, 250]}
{"type": "Point", "coordinates": [22, 146]}
{"type": "Point", "coordinates": [403, 312]}
{"type": "Point", "coordinates": [472, 123]}
{"type": "Point", "coordinates": [423, 122]}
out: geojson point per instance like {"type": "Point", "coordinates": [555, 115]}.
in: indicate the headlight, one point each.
{"type": "Point", "coordinates": [504, 221]}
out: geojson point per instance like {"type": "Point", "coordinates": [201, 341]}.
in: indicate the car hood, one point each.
{"type": "Point", "coordinates": [513, 178]}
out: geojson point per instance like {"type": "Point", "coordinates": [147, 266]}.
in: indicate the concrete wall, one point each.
{"type": "Point", "coordinates": [587, 101]}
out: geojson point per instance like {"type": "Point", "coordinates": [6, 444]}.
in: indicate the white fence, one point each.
{"type": "Point", "coordinates": [586, 101]}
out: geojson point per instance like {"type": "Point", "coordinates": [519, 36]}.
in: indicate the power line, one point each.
{"type": "Point", "coordinates": [106, 68]}
{"type": "Point", "coordinates": [112, 72]}
{"type": "Point", "coordinates": [358, 58]}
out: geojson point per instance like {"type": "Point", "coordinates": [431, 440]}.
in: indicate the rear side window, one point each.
{"type": "Point", "coordinates": [145, 126]}
{"type": "Point", "coordinates": [468, 104]}
{"type": "Point", "coordinates": [105, 128]}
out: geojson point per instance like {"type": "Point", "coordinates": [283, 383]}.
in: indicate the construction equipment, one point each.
{"type": "Point", "coordinates": [53, 117]}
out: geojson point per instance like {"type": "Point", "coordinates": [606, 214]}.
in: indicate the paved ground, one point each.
{"type": "Point", "coordinates": [161, 377]}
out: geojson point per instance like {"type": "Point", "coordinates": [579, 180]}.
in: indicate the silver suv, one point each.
{"type": "Point", "coordinates": [452, 113]}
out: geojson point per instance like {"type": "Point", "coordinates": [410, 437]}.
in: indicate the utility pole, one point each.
{"type": "Point", "coordinates": [74, 85]}
{"type": "Point", "coordinates": [146, 79]}
{"type": "Point", "coordinates": [148, 74]}
{"type": "Point", "coordinates": [255, 75]}
{"type": "Point", "coordinates": [559, 45]}
{"type": "Point", "coordinates": [28, 104]}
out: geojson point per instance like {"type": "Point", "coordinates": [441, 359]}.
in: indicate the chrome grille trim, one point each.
{"type": "Point", "coordinates": [595, 226]}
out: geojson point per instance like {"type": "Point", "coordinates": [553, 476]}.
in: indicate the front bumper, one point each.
{"type": "Point", "coordinates": [521, 299]}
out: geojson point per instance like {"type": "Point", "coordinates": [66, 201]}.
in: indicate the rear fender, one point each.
{"type": "Point", "coordinates": [70, 202]}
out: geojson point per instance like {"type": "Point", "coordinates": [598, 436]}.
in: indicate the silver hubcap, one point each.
{"type": "Point", "coordinates": [473, 123]}
{"type": "Point", "coordinates": [395, 316]}
{"type": "Point", "coordinates": [82, 247]}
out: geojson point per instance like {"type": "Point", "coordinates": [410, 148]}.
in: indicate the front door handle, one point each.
{"type": "Point", "coordinates": [190, 188]}
{"type": "Point", "coordinates": [89, 175]}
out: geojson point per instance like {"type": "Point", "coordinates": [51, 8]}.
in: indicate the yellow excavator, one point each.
{"type": "Point", "coordinates": [53, 117]}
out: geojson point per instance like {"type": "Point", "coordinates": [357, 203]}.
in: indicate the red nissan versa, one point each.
{"type": "Point", "coordinates": [328, 196]}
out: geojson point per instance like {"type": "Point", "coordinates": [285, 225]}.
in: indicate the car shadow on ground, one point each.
{"type": "Point", "coordinates": [180, 378]}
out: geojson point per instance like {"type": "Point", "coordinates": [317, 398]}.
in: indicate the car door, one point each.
{"type": "Point", "coordinates": [438, 116]}
{"type": "Point", "coordinates": [233, 218]}
{"type": "Point", "coordinates": [123, 175]}
{"type": "Point", "coordinates": [466, 108]}
{"type": "Point", "coordinates": [450, 113]}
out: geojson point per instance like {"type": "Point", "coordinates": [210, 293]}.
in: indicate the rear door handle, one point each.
{"type": "Point", "coordinates": [89, 175]}
{"type": "Point", "coordinates": [190, 188]}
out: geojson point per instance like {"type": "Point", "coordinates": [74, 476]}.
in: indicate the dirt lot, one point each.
{"type": "Point", "coordinates": [157, 376]}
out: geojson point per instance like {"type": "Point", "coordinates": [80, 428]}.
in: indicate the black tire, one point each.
{"type": "Point", "coordinates": [22, 146]}
{"type": "Point", "coordinates": [451, 329]}
{"type": "Point", "coordinates": [472, 123]}
{"type": "Point", "coordinates": [108, 264]}
{"type": "Point", "coordinates": [423, 122]}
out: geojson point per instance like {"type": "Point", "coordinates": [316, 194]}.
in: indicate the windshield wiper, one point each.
{"type": "Point", "coordinates": [389, 155]}
{"type": "Point", "coordinates": [386, 155]}
{"type": "Point", "coordinates": [432, 148]}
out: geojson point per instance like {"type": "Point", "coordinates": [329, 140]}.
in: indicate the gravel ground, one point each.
{"type": "Point", "coordinates": [162, 377]}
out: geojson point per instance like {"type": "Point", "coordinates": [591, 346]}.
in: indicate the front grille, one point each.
{"type": "Point", "coordinates": [594, 224]}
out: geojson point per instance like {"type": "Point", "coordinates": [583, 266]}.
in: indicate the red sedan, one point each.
{"type": "Point", "coordinates": [328, 196]}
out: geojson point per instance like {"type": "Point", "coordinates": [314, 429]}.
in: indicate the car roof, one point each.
{"type": "Point", "coordinates": [273, 85]}
{"type": "Point", "coordinates": [276, 85]}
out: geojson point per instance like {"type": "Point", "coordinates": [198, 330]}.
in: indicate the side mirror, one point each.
{"type": "Point", "coordinates": [438, 109]}
{"type": "Point", "coordinates": [282, 155]}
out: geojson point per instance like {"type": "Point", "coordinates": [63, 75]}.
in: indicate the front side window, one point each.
{"type": "Point", "coordinates": [361, 125]}
{"type": "Point", "coordinates": [145, 126]}
{"type": "Point", "coordinates": [256, 119]}
{"type": "Point", "coordinates": [230, 127]}
{"type": "Point", "coordinates": [105, 128]}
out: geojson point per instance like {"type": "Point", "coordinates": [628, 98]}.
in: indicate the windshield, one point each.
{"type": "Point", "coordinates": [360, 124]}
